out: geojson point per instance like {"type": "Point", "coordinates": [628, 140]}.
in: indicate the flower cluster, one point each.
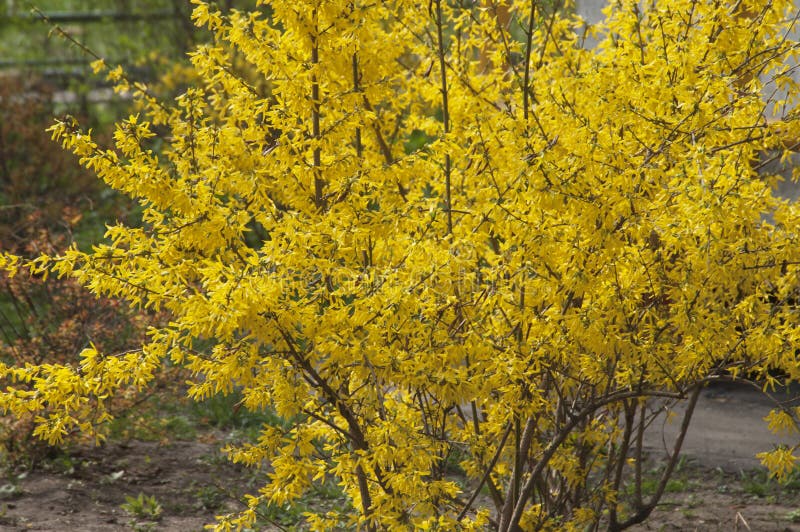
{"type": "Point", "coordinates": [452, 237]}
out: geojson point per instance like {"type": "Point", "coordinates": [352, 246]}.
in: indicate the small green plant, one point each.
{"type": "Point", "coordinates": [763, 485]}
{"type": "Point", "coordinates": [652, 477]}
{"type": "Point", "coordinates": [756, 484]}
{"type": "Point", "coordinates": [793, 516]}
{"type": "Point", "coordinates": [64, 464]}
{"type": "Point", "coordinates": [209, 498]}
{"type": "Point", "coordinates": [676, 485]}
{"type": "Point", "coordinates": [142, 507]}
{"type": "Point", "coordinates": [792, 480]}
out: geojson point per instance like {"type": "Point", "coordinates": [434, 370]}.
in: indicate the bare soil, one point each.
{"type": "Point", "coordinates": [718, 486]}
{"type": "Point", "coordinates": [703, 499]}
{"type": "Point", "coordinates": [722, 485]}
{"type": "Point", "coordinates": [84, 489]}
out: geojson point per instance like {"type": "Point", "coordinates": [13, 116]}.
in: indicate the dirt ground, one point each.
{"type": "Point", "coordinates": [717, 487]}
{"type": "Point", "coordinates": [84, 490]}
{"type": "Point", "coordinates": [722, 486]}
{"type": "Point", "coordinates": [715, 501]}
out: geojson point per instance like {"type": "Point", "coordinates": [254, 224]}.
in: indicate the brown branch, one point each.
{"type": "Point", "coordinates": [486, 474]}
{"type": "Point", "coordinates": [527, 77]}
{"type": "Point", "coordinates": [563, 434]}
{"type": "Point", "coordinates": [644, 512]}
{"type": "Point", "coordinates": [445, 116]}
{"type": "Point", "coordinates": [319, 184]}
{"type": "Point", "coordinates": [357, 89]}
{"type": "Point", "coordinates": [355, 434]}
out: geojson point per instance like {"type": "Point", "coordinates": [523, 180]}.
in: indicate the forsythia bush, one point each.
{"type": "Point", "coordinates": [449, 235]}
{"type": "Point", "coordinates": [41, 197]}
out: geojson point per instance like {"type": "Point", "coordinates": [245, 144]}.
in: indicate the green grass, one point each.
{"type": "Point", "coordinates": [759, 483]}
{"type": "Point", "coordinates": [677, 485]}
{"type": "Point", "coordinates": [178, 418]}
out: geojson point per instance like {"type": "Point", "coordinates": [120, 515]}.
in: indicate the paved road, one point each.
{"type": "Point", "coordinates": [727, 428]}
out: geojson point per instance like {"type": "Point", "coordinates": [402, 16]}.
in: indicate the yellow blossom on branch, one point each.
{"type": "Point", "coordinates": [451, 236]}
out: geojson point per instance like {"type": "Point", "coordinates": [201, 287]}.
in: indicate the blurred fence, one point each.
{"type": "Point", "coordinates": [29, 47]}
